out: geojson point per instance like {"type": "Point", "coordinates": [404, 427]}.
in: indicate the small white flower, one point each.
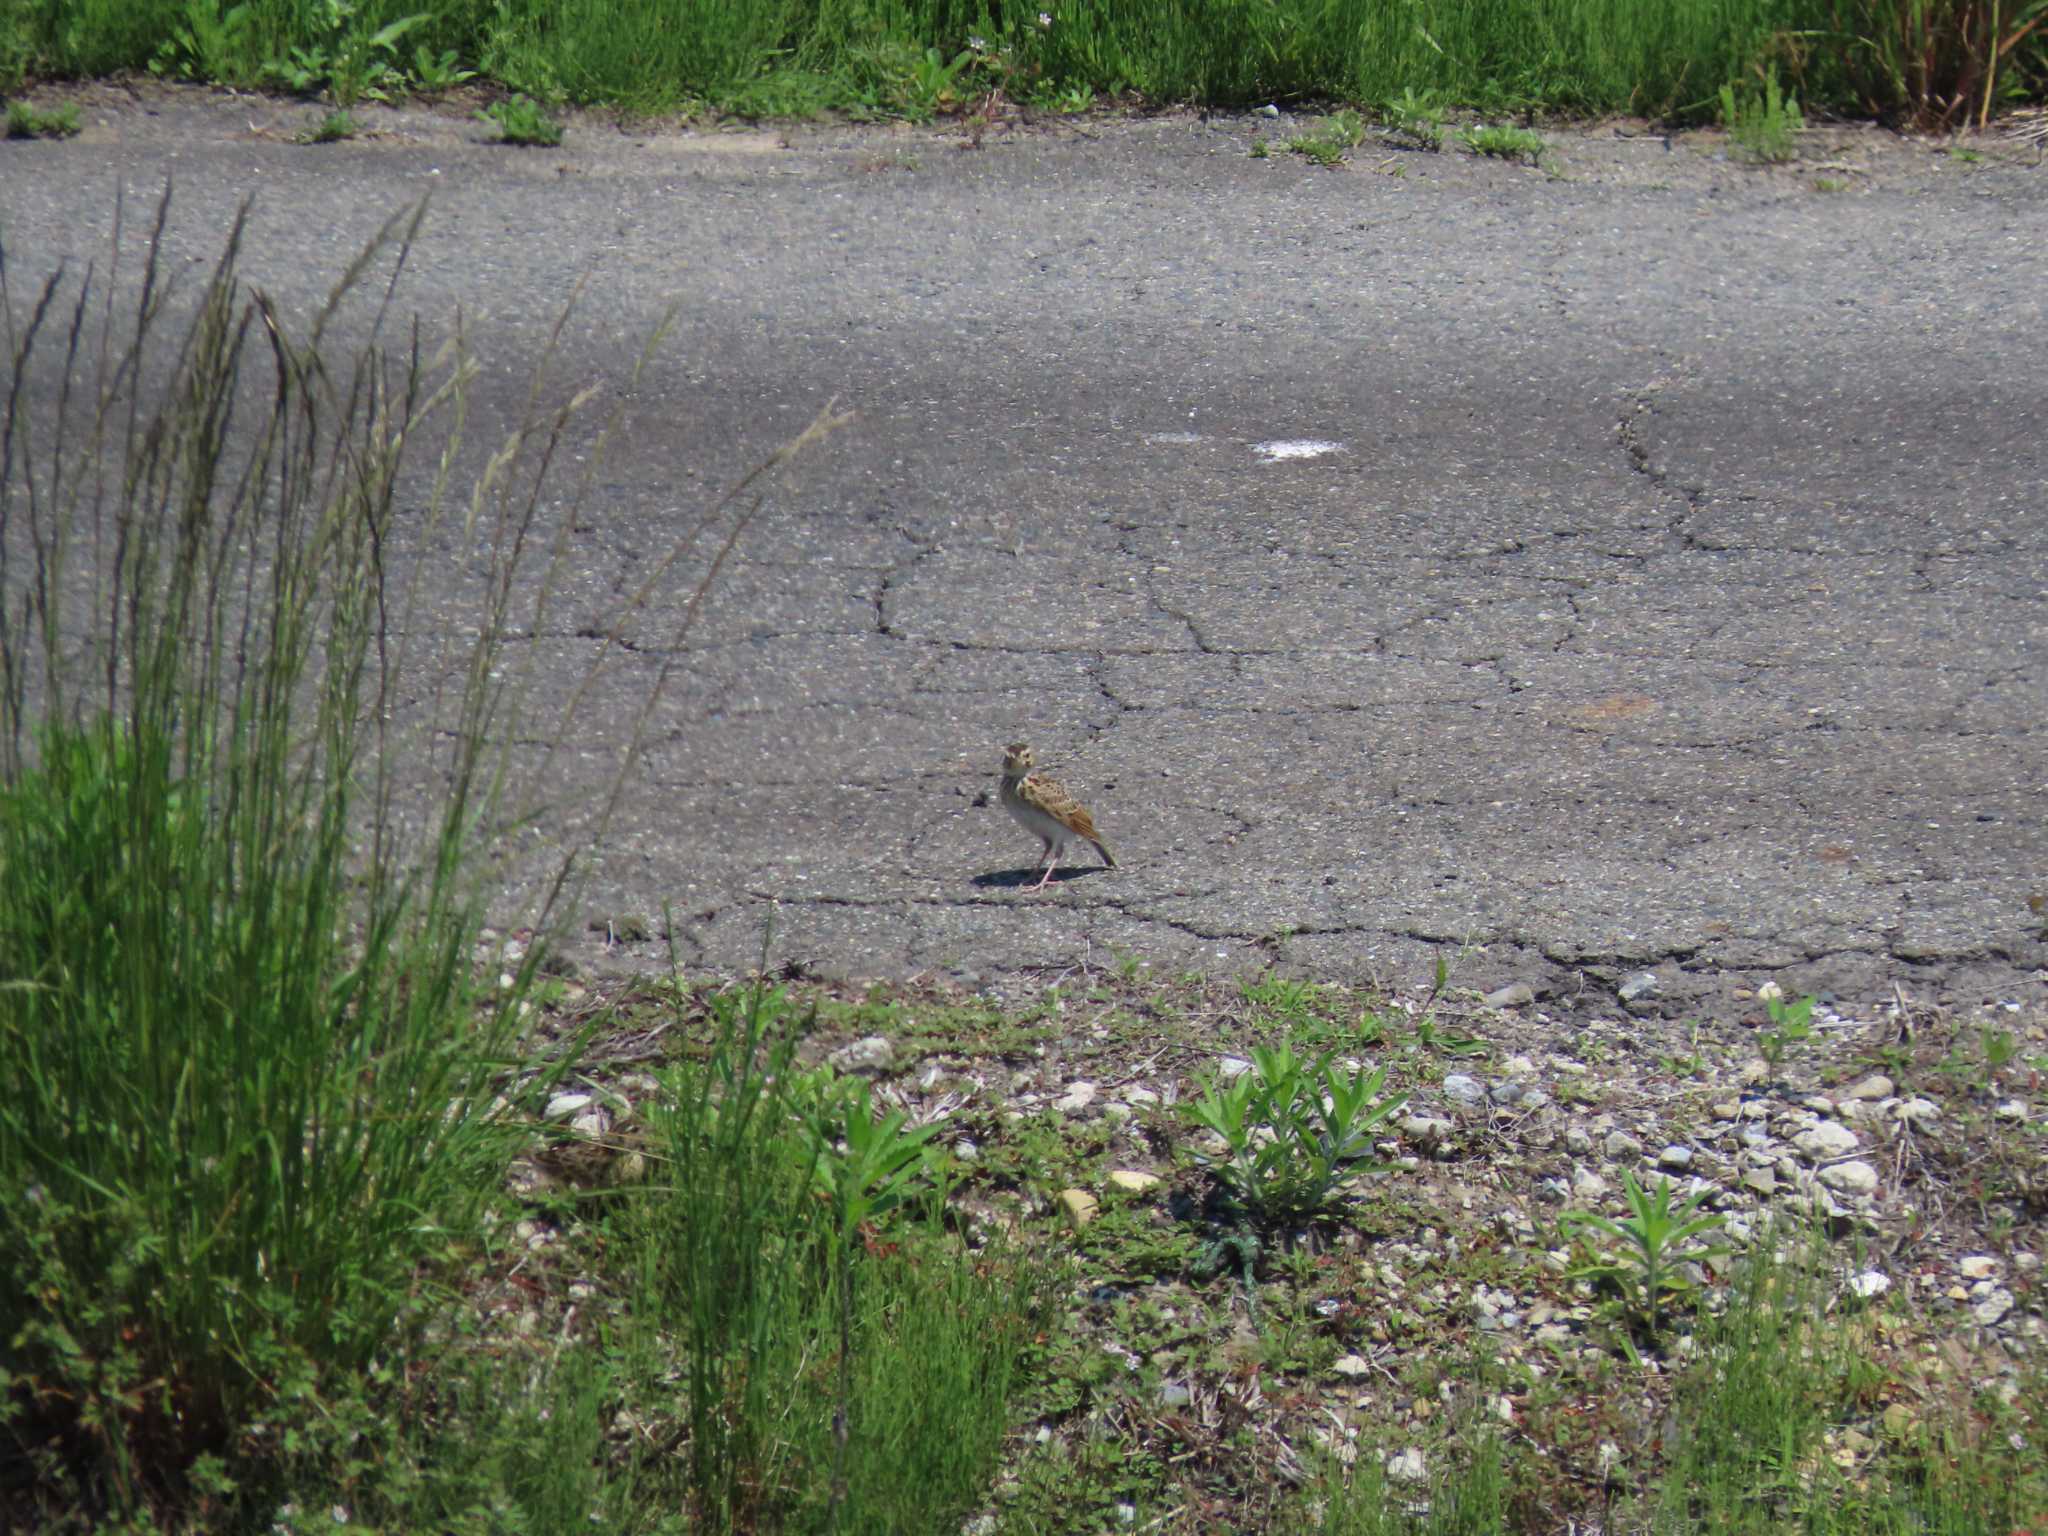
{"type": "Point", "coordinates": [1044, 19]}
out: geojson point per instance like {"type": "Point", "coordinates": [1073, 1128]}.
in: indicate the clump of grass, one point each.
{"type": "Point", "coordinates": [250, 1102]}
{"type": "Point", "coordinates": [521, 120]}
{"type": "Point", "coordinates": [331, 129]}
{"type": "Point", "coordinates": [1776, 1371]}
{"type": "Point", "coordinates": [255, 1111]}
{"type": "Point", "coordinates": [1504, 142]}
{"type": "Point", "coordinates": [1764, 123]}
{"type": "Point", "coordinates": [1415, 117]}
{"type": "Point", "coordinates": [843, 1365]}
{"type": "Point", "coordinates": [27, 122]}
{"type": "Point", "coordinates": [1329, 139]}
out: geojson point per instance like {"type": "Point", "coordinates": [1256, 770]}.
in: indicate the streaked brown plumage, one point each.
{"type": "Point", "coordinates": [1047, 810]}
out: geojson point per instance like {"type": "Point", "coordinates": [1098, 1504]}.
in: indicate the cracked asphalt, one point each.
{"type": "Point", "coordinates": [1665, 586]}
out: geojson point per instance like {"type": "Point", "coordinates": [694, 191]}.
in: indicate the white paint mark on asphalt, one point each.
{"type": "Point", "coordinates": [1295, 448]}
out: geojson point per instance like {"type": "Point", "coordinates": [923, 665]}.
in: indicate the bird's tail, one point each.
{"type": "Point", "coordinates": [1108, 858]}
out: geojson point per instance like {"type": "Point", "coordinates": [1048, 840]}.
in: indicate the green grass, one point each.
{"type": "Point", "coordinates": [522, 122]}
{"type": "Point", "coordinates": [250, 1114]}
{"type": "Point", "coordinates": [262, 1095]}
{"type": "Point", "coordinates": [27, 122]}
{"type": "Point", "coordinates": [1763, 124]}
{"type": "Point", "coordinates": [333, 128]}
{"type": "Point", "coordinates": [1503, 143]}
{"type": "Point", "coordinates": [1937, 62]}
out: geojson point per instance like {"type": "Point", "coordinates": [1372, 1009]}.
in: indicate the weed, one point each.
{"type": "Point", "coordinates": [433, 73]}
{"type": "Point", "coordinates": [331, 129]}
{"type": "Point", "coordinates": [344, 57]}
{"type": "Point", "coordinates": [1292, 1132]}
{"type": "Point", "coordinates": [1791, 1024]}
{"type": "Point", "coordinates": [1504, 143]}
{"type": "Point", "coordinates": [1416, 117]}
{"type": "Point", "coordinates": [841, 1366]}
{"type": "Point", "coordinates": [1830, 184]}
{"type": "Point", "coordinates": [1329, 139]}
{"type": "Point", "coordinates": [252, 1076]}
{"type": "Point", "coordinates": [1963, 155]}
{"type": "Point", "coordinates": [1942, 63]}
{"type": "Point", "coordinates": [1762, 124]}
{"type": "Point", "coordinates": [211, 44]}
{"type": "Point", "coordinates": [258, 1116]}
{"type": "Point", "coordinates": [1647, 1268]}
{"type": "Point", "coordinates": [521, 121]}
{"type": "Point", "coordinates": [26, 122]}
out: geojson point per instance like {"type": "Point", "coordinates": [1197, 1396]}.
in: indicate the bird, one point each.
{"type": "Point", "coordinates": [1046, 809]}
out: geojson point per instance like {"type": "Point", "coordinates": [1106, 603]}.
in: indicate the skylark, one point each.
{"type": "Point", "coordinates": [1047, 810]}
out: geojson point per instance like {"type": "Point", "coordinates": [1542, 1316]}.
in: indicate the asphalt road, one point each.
{"type": "Point", "coordinates": [1668, 590]}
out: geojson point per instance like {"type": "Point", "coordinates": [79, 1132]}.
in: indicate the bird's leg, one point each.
{"type": "Point", "coordinates": [1051, 858]}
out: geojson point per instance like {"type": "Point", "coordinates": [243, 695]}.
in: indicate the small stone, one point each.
{"type": "Point", "coordinates": [1588, 1185]}
{"type": "Point", "coordinates": [1133, 1181]}
{"type": "Point", "coordinates": [564, 1105]}
{"type": "Point", "coordinates": [1898, 1422]}
{"type": "Point", "coordinates": [1754, 1071]}
{"type": "Point", "coordinates": [1352, 1367]}
{"type": "Point", "coordinates": [1826, 1138]}
{"type": "Point", "coordinates": [873, 1053]}
{"type": "Point", "coordinates": [1140, 1098]}
{"type": "Point", "coordinates": [1871, 1283]}
{"type": "Point", "coordinates": [1408, 1467]}
{"type": "Point", "coordinates": [1427, 1129]}
{"type": "Point", "coordinates": [1727, 1110]}
{"type": "Point", "coordinates": [1875, 1086]}
{"type": "Point", "coordinates": [1080, 1207]}
{"type": "Point", "coordinates": [1232, 1066]}
{"type": "Point", "coordinates": [1978, 1266]}
{"type": "Point", "coordinates": [1077, 1098]}
{"type": "Point", "coordinates": [1850, 1178]}
{"type": "Point", "coordinates": [1174, 1394]}
{"type": "Point", "coordinates": [2026, 1261]}
{"type": "Point", "coordinates": [1917, 1111]}
{"type": "Point", "coordinates": [1641, 985]}
{"type": "Point", "coordinates": [1509, 1092]}
{"type": "Point", "coordinates": [1770, 992]}
{"type": "Point", "coordinates": [1761, 1180]}
{"type": "Point", "coordinates": [1620, 1144]}
{"type": "Point", "coordinates": [1993, 1306]}
{"type": "Point", "coordinates": [1675, 1157]}
{"type": "Point", "coordinates": [2011, 1109]}
{"type": "Point", "coordinates": [1819, 1103]}
{"type": "Point", "coordinates": [1576, 1141]}
{"type": "Point", "coordinates": [1517, 994]}
{"type": "Point", "coordinates": [1463, 1089]}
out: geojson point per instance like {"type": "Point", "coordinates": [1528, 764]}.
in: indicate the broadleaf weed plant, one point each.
{"type": "Point", "coordinates": [522, 121]}
{"type": "Point", "coordinates": [1791, 1024]}
{"type": "Point", "coordinates": [1503, 142]}
{"type": "Point", "coordinates": [254, 1065]}
{"type": "Point", "coordinates": [1653, 1239]}
{"type": "Point", "coordinates": [1292, 1131]}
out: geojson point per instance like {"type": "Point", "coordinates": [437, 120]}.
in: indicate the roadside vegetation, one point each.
{"type": "Point", "coordinates": [1933, 64]}
{"type": "Point", "coordinates": [326, 1207]}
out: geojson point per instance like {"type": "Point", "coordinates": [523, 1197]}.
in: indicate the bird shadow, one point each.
{"type": "Point", "coordinates": [1012, 879]}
